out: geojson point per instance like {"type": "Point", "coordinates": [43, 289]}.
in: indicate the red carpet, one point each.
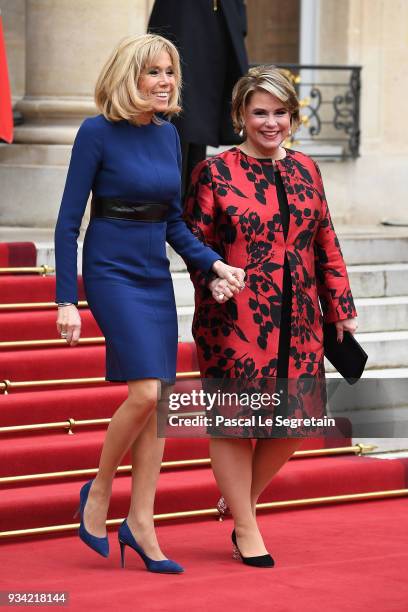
{"type": "Point", "coordinates": [53, 503]}
{"type": "Point", "coordinates": [70, 362]}
{"type": "Point", "coordinates": [31, 288]}
{"type": "Point", "coordinates": [40, 325]}
{"type": "Point", "coordinates": [58, 452]}
{"type": "Point", "coordinates": [44, 364]}
{"type": "Point", "coordinates": [17, 254]}
{"type": "Point", "coordinates": [331, 559]}
{"type": "Point", "coordinates": [59, 405]}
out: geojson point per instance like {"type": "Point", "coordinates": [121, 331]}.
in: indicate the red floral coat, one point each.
{"type": "Point", "coordinates": [233, 208]}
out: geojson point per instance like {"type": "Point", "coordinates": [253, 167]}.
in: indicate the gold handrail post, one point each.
{"type": "Point", "coordinates": [71, 424]}
{"type": "Point", "coordinates": [4, 384]}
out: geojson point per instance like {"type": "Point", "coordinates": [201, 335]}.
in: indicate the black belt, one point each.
{"type": "Point", "coordinates": [115, 208]}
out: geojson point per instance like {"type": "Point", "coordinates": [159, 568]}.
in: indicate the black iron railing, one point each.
{"type": "Point", "coordinates": [330, 99]}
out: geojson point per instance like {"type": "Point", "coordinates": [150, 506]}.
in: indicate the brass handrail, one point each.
{"type": "Point", "coordinates": [291, 503]}
{"type": "Point", "coordinates": [122, 469]}
{"type": "Point", "coordinates": [6, 385]}
{"type": "Point", "coordinates": [36, 305]}
{"type": "Point", "coordinates": [13, 344]}
{"type": "Point", "coordinates": [357, 449]}
{"type": "Point", "coordinates": [68, 424]}
{"type": "Point", "coordinates": [43, 270]}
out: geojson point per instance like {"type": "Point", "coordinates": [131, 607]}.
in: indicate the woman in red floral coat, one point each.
{"type": "Point", "coordinates": [264, 209]}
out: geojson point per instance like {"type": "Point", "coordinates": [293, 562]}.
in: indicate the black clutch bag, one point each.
{"type": "Point", "coordinates": [347, 357]}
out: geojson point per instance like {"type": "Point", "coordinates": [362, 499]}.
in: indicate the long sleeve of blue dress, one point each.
{"type": "Point", "coordinates": [86, 157]}
{"type": "Point", "coordinates": [139, 164]}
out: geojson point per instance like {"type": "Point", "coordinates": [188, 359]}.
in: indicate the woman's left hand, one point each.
{"type": "Point", "coordinates": [349, 325]}
{"type": "Point", "coordinates": [235, 277]}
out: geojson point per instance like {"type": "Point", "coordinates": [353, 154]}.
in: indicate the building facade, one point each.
{"type": "Point", "coordinates": [56, 48]}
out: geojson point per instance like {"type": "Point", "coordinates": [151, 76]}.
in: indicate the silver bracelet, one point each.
{"type": "Point", "coordinates": [65, 304]}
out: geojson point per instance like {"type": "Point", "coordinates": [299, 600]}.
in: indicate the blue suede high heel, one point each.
{"type": "Point", "coordinates": [166, 566]}
{"type": "Point", "coordinates": [99, 545]}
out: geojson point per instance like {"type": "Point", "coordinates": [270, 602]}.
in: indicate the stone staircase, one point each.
{"type": "Point", "coordinates": [377, 262]}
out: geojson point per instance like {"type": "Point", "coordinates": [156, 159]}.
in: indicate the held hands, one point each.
{"type": "Point", "coordinates": [349, 325]}
{"type": "Point", "coordinates": [229, 282]}
{"type": "Point", "coordinates": [220, 290]}
{"type": "Point", "coordinates": [69, 324]}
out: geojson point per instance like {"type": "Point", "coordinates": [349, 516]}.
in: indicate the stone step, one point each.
{"type": "Point", "coordinates": [378, 246]}
{"type": "Point", "coordinates": [183, 289]}
{"type": "Point", "coordinates": [361, 245]}
{"type": "Point", "coordinates": [374, 280]}
{"type": "Point", "coordinates": [364, 246]}
{"type": "Point", "coordinates": [374, 314]}
{"type": "Point", "coordinates": [388, 280]}
{"type": "Point", "coordinates": [381, 373]}
{"type": "Point", "coordinates": [378, 280]}
{"type": "Point", "coordinates": [385, 349]}
{"type": "Point", "coordinates": [382, 314]}
{"type": "Point", "coordinates": [377, 406]}
{"type": "Point", "coordinates": [387, 310]}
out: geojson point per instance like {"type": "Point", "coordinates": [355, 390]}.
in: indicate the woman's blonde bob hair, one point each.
{"type": "Point", "coordinates": [264, 78]}
{"type": "Point", "coordinates": [116, 92]}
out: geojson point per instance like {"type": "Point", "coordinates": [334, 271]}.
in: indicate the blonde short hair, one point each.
{"type": "Point", "coordinates": [264, 78]}
{"type": "Point", "coordinates": [116, 93]}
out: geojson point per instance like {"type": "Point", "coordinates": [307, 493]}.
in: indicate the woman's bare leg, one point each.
{"type": "Point", "coordinates": [231, 461]}
{"type": "Point", "coordinates": [126, 425]}
{"type": "Point", "coordinates": [269, 456]}
{"type": "Point", "coordinates": [147, 453]}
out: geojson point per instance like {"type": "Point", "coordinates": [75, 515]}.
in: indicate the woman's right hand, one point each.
{"type": "Point", "coordinates": [220, 290]}
{"type": "Point", "coordinates": [69, 324]}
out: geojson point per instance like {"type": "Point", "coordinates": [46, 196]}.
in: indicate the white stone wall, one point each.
{"type": "Point", "coordinates": [374, 34]}
{"type": "Point", "coordinates": [13, 14]}
{"type": "Point", "coordinates": [56, 48]}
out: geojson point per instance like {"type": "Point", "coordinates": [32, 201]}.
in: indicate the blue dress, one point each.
{"type": "Point", "coordinates": [125, 268]}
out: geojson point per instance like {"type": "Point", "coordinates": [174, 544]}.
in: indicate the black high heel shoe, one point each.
{"type": "Point", "coordinates": [260, 561]}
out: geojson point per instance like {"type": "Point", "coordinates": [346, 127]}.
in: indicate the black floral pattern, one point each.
{"type": "Point", "coordinates": [233, 207]}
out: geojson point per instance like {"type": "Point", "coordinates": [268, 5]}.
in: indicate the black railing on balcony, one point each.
{"type": "Point", "coordinates": [330, 99]}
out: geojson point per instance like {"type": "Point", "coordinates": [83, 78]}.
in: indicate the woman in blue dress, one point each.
{"type": "Point", "coordinates": [130, 160]}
